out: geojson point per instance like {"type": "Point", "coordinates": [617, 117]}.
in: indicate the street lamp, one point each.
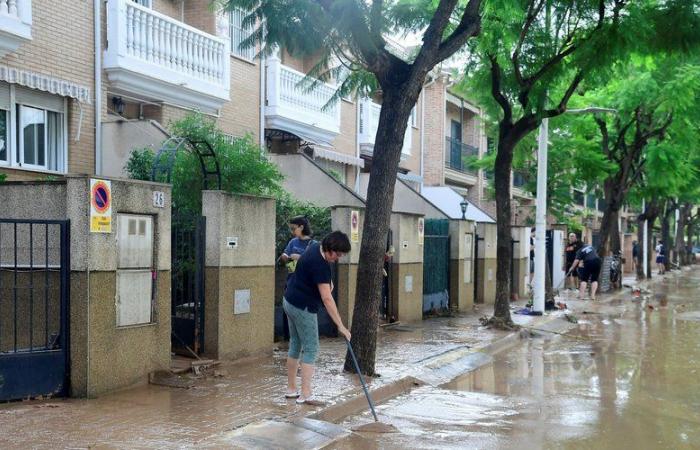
{"type": "Point", "coordinates": [541, 205]}
{"type": "Point", "coordinates": [464, 205]}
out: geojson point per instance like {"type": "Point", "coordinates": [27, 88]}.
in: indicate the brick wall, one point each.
{"type": "Point", "coordinates": [61, 46]}
{"type": "Point", "coordinates": [434, 139]}
{"type": "Point", "coordinates": [171, 8]}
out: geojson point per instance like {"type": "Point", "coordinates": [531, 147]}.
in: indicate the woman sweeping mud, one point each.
{"type": "Point", "coordinates": [308, 289]}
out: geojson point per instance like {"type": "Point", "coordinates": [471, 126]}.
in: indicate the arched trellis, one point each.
{"type": "Point", "coordinates": [165, 160]}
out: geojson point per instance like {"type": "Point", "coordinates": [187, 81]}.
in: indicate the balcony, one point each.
{"type": "Point", "coordinates": [369, 122]}
{"type": "Point", "coordinates": [291, 108]}
{"type": "Point", "coordinates": [157, 58]}
{"type": "Point", "coordinates": [15, 24]}
{"type": "Point", "coordinates": [457, 154]}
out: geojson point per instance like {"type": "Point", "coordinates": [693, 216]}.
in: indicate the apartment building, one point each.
{"type": "Point", "coordinates": [46, 88]}
{"type": "Point", "coordinates": [162, 59]}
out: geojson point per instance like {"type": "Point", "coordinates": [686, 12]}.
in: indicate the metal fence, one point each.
{"type": "Point", "coordinates": [34, 297]}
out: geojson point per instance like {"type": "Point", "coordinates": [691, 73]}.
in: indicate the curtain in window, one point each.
{"type": "Point", "coordinates": [55, 141]}
{"type": "Point", "coordinates": [239, 34]}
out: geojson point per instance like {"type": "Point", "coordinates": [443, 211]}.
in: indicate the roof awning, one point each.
{"type": "Point", "coordinates": [46, 83]}
{"type": "Point", "coordinates": [330, 155]}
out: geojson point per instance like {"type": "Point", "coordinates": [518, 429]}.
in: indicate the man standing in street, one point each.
{"type": "Point", "coordinates": [589, 264]}
{"type": "Point", "coordinates": [571, 249]}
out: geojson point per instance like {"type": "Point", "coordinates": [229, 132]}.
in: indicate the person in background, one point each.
{"type": "Point", "coordinates": [661, 257]}
{"type": "Point", "coordinates": [309, 289]}
{"type": "Point", "coordinates": [532, 255]}
{"type": "Point", "coordinates": [571, 249]}
{"type": "Point", "coordinates": [301, 231]}
{"type": "Point", "coordinates": [590, 264]}
{"type": "Point", "coordinates": [636, 255]}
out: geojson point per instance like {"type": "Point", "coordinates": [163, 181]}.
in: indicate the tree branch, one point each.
{"type": "Point", "coordinates": [605, 141]}
{"type": "Point", "coordinates": [567, 95]}
{"type": "Point", "coordinates": [496, 77]}
{"type": "Point", "coordinates": [469, 26]}
{"type": "Point", "coordinates": [433, 34]}
{"type": "Point", "coordinates": [533, 11]}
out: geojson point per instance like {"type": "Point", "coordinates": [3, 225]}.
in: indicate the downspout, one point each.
{"type": "Point", "coordinates": [357, 144]}
{"type": "Point", "coordinates": [97, 6]}
{"type": "Point", "coordinates": [263, 73]}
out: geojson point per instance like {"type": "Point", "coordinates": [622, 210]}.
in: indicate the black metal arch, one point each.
{"type": "Point", "coordinates": [208, 161]}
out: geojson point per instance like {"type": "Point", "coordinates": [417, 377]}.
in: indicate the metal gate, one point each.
{"type": "Point", "coordinates": [187, 283]}
{"type": "Point", "coordinates": [34, 297]}
{"type": "Point", "coordinates": [436, 266]}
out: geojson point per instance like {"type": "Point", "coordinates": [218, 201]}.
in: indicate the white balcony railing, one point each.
{"type": "Point", "coordinates": [155, 56]}
{"type": "Point", "coordinates": [15, 24]}
{"type": "Point", "coordinates": [369, 122]}
{"type": "Point", "coordinates": [290, 107]}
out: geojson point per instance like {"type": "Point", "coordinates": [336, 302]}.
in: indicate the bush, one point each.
{"type": "Point", "coordinates": [242, 164]}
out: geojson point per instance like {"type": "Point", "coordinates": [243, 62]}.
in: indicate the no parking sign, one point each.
{"type": "Point", "coordinates": [100, 206]}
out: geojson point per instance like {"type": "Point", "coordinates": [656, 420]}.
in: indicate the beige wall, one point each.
{"type": "Point", "coordinates": [461, 265]}
{"type": "Point", "coordinates": [486, 263]}
{"type": "Point", "coordinates": [407, 291]}
{"type": "Point", "coordinates": [246, 268]}
{"type": "Point", "coordinates": [434, 139]}
{"type": "Point", "coordinates": [346, 141]}
{"type": "Point", "coordinates": [61, 33]}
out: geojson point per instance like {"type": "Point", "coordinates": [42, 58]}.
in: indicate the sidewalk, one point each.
{"type": "Point", "coordinates": [252, 391]}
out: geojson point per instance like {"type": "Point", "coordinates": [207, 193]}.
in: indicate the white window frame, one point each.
{"type": "Point", "coordinates": [414, 117]}
{"type": "Point", "coordinates": [238, 30]}
{"type": "Point", "coordinates": [13, 140]}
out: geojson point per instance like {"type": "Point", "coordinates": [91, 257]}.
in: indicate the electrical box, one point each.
{"type": "Point", "coordinates": [134, 269]}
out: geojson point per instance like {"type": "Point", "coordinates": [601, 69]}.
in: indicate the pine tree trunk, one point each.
{"type": "Point", "coordinates": [393, 119]}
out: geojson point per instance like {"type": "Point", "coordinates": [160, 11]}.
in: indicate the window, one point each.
{"type": "Point", "coordinates": [579, 197]}
{"type": "Point", "coordinates": [4, 154]}
{"type": "Point", "coordinates": [239, 33]}
{"type": "Point", "coordinates": [32, 129]}
{"type": "Point", "coordinates": [146, 3]}
{"type": "Point", "coordinates": [41, 139]}
{"type": "Point", "coordinates": [414, 118]}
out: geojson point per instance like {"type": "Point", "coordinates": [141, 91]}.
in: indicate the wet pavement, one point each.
{"type": "Point", "coordinates": [626, 377]}
{"type": "Point", "coordinates": [241, 393]}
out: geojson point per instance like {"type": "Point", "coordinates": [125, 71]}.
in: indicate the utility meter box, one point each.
{"type": "Point", "coordinates": [134, 269]}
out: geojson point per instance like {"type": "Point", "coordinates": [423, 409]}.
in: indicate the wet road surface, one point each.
{"type": "Point", "coordinates": [628, 377]}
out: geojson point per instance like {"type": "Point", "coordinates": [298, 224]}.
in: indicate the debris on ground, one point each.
{"type": "Point", "coordinates": [650, 307]}
{"type": "Point", "coordinates": [571, 318]}
{"type": "Point", "coordinates": [169, 379]}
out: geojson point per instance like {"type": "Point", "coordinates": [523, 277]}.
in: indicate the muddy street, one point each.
{"type": "Point", "coordinates": [628, 376]}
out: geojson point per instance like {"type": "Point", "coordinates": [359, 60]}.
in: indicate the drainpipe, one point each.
{"type": "Point", "coordinates": [98, 85]}
{"type": "Point", "coordinates": [357, 144]}
{"type": "Point", "coordinates": [263, 73]}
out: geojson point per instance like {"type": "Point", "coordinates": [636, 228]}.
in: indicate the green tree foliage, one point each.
{"type": "Point", "coordinates": [244, 168]}
{"type": "Point", "coordinates": [348, 39]}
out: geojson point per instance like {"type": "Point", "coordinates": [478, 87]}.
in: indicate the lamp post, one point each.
{"type": "Point", "coordinates": [541, 205]}
{"type": "Point", "coordinates": [464, 205]}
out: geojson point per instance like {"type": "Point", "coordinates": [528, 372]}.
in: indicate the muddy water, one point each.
{"type": "Point", "coordinates": [627, 378]}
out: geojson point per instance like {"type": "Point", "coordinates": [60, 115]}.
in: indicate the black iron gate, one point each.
{"type": "Point", "coordinates": [34, 297]}
{"type": "Point", "coordinates": [187, 283]}
{"type": "Point", "coordinates": [436, 266]}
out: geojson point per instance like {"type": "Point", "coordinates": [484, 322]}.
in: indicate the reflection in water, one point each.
{"type": "Point", "coordinates": [628, 378]}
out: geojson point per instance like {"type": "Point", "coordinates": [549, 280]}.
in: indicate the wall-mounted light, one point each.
{"type": "Point", "coordinates": [464, 205]}
{"type": "Point", "coordinates": [118, 105]}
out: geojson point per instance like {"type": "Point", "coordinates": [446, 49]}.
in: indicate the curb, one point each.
{"type": "Point", "coordinates": [436, 370]}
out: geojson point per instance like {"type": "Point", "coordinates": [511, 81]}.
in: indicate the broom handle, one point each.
{"type": "Point", "coordinates": [362, 380]}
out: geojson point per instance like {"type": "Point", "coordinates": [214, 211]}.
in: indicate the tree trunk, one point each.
{"type": "Point", "coordinates": [651, 213]}
{"type": "Point", "coordinates": [666, 230]}
{"type": "Point", "coordinates": [609, 231]}
{"type": "Point", "coordinates": [639, 263]}
{"type": "Point", "coordinates": [396, 109]}
{"type": "Point", "coordinates": [504, 160]}
{"type": "Point", "coordinates": [680, 235]}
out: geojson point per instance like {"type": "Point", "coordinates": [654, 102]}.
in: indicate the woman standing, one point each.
{"type": "Point", "coordinates": [309, 288]}
{"type": "Point", "coordinates": [301, 230]}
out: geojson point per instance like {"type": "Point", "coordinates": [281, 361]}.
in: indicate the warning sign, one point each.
{"type": "Point", "coordinates": [100, 206]}
{"type": "Point", "coordinates": [354, 226]}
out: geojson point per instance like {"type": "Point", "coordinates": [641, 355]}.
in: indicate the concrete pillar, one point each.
{"type": "Point", "coordinates": [462, 265]}
{"type": "Point", "coordinates": [407, 267]}
{"type": "Point", "coordinates": [239, 274]}
{"type": "Point", "coordinates": [486, 263]}
{"type": "Point", "coordinates": [521, 261]}
{"type": "Point", "coordinates": [342, 220]}
{"type": "Point", "coordinates": [106, 353]}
